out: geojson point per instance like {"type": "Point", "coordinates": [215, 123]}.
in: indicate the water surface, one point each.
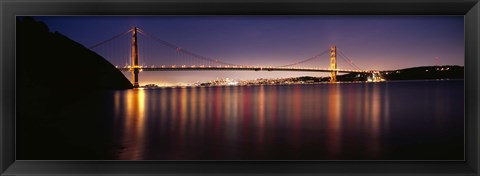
{"type": "Point", "coordinates": [387, 120]}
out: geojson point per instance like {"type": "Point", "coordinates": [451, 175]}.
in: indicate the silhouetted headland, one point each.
{"type": "Point", "coordinates": [53, 73]}
{"type": "Point", "coordinates": [426, 73]}
{"type": "Point", "coordinates": [413, 73]}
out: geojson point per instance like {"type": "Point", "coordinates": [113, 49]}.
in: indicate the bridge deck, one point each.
{"type": "Point", "coordinates": [238, 68]}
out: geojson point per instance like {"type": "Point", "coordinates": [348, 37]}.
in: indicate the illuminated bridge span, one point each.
{"type": "Point", "coordinates": [240, 68]}
{"type": "Point", "coordinates": [131, 55]}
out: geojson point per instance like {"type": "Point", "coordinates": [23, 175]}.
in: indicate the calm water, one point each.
{"type": "Point", "coordinates": [388, 120]}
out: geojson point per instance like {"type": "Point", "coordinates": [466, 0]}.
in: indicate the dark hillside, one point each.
{"type": "Point", "coordinates": [52, 60]}
{"type": "Point", "coordinates": [413, 73]}
{"type": "Point", "coordinates": [426, 72]}
{"type": "Point", "coordinates": [53, 73]}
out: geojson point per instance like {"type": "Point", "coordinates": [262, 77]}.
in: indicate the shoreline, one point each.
{"type": "Point", "coordinates": [343, 82]}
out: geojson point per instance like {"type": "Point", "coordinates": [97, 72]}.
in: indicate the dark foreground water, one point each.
{"type": "Point", "coordinates": [387, 121]}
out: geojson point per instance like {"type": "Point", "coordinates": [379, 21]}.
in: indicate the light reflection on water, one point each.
{"type": "Point", "coordinates": [323, 121]}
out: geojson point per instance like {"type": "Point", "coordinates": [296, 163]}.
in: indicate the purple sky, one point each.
{"type": "Point", "coordinates": [371, 42]}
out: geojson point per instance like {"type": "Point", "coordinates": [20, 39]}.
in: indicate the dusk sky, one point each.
{"type": "Point", "coordinates": [371, 42]}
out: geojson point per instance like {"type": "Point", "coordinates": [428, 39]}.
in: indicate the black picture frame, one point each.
{"type": "Point", "coordinates": [9, 9]}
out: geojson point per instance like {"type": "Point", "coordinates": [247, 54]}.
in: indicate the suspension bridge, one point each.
{"type": "Point", "coordinates": [133, 54]}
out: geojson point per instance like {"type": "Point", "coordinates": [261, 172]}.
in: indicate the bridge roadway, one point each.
{"type": "Point", "coordinates": [241, 68]}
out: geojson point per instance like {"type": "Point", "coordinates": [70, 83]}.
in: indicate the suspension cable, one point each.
{"type": "Point", "coordinates": [348, 60]}
{"type": "Point", "coordinates": [306, 60]}
{"type": "Point", "coordinates": [179, 49]}
{"type": "Point", "coordinates": [110, 39]}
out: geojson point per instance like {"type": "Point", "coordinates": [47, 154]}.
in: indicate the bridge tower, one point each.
{"type": "Point", "coordinates": [134, 63]}
{"type": "Point", "coordinates": [333, 63]}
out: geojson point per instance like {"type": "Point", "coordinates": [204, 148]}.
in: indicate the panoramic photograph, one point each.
{"type": "Point", "coordinates": [240, 87]}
